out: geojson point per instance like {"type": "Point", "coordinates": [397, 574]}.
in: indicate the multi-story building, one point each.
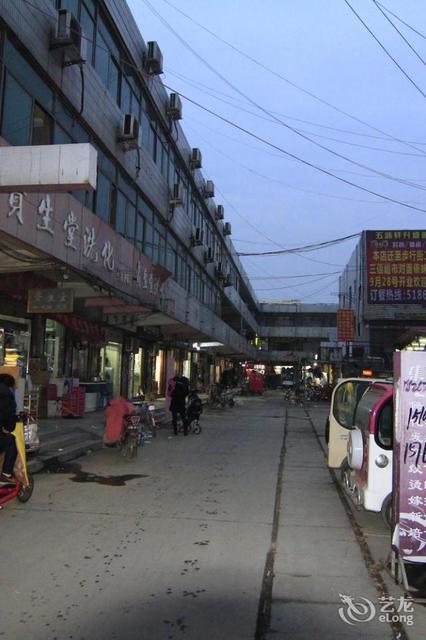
{"type": "Point", "coordinates": [142, 267]}
{"type": "Point", "coordinates": [292, 333]}
{"type": "Point", "coordinates": [384, 284]}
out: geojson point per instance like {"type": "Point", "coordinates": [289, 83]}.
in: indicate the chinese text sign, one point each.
{"type": "Point", "coordinates": [396, 267]}
{"type": "Point", "coordinates": [409, 470]}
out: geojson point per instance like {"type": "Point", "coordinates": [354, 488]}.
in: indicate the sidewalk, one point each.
{"type": "Point", "coordinates": [64, 439]}
{"type": "Point", "coordinates": [318, 557]}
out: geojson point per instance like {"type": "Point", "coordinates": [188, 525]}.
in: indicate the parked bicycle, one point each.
{"type": "Point", "coordinates": [147, 413]}
{"type": "Point", "coordinates": [220, 397]}
{"type": "Point", "coordinates": [129, 441]}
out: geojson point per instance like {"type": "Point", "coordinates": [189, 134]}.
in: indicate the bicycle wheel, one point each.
{"type": "Point", "coordinates": [152, 425]}
{"type": "Point", "coordinates": [196, 427]}
{"type": "Point", "coordinates": [132, 449]}
{"type": "Point", "coordinates": [25, 493]}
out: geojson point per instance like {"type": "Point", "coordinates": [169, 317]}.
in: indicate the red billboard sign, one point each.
{"type": "Point", "coordinates": [396, 267]}
{"type": "Point", "coordinates": [409, 462]}
{"type": "Point", "coordinates": [345, 325]}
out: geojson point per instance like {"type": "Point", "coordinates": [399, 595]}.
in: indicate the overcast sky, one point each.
{"type": "Point", "coordinates": [321, 46]}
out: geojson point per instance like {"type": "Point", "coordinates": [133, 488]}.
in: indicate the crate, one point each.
{"type": "Point", "coordinates": [73, 403]}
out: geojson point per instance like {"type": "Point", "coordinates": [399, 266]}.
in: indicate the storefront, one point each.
{"type": "Point", "coordinates": [54, 348]}
{"type": "Point", "coordinates": [111, 357]}
{"type": "Point", "coordinates": [15, 335]}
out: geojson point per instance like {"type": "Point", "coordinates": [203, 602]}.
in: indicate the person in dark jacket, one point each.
{"type": "Point", "coordinates": [8, 420]}
{"type": "Point", "coordinates": [177, 406]}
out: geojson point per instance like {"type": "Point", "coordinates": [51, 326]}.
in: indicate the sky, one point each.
{"type": "Point", "coordinates": [273, 200]}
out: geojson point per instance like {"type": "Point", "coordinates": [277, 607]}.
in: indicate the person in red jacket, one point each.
{"type": "Point", "coordinates": [8, 420]}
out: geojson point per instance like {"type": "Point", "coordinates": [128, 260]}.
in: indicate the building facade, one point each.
{"type": "Point", "coordinates": [292, 334]}
{"type": "Point", "coordinates": [384, 284]}
{"type": "Point", "coordinates": [143, 267]}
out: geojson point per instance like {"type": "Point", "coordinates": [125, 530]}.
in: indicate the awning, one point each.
{"type": "Point", "coordinates": [84, 327]}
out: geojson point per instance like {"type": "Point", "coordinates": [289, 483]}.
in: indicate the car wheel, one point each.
{"type": "Point", "coordinates": [386, 510]}
{"type": "Point", "coordinates": [345, 477]}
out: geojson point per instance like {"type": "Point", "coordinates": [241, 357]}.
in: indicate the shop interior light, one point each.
{"type": "Point", "coordinates": [368, 373]}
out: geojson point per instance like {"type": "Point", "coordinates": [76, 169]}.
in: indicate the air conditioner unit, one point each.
{"type": "Point", "coordinates": [153, 60]}
{"type": "Point", "coordinates": [220, 274]}
{"type": "Point", "coordinates": [174, 110]}
{"type": "Point", "coordinates": [227, 229]}
{"type": "Point", "coordinates": [195, 159]}
{"type": "Point", "coordinates": [227, 281]}
{"type": "Point", "coordinates": [209, 189]}
{"type": "Point", "coordinates": [68, 36]}
{"type": "Point", "coordinates": [197, 237]}
{"type": "Point", "coordinates": [176, 196]}
{"type": "Point", "coordinates": [209, 256]}
{"type": "Point", "coordinates": [219, 214]}
{"type": "Point", "coordinates": [128, 133]}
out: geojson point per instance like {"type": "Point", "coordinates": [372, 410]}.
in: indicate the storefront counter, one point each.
{"type": "Point", "coordinates": [95, 392]}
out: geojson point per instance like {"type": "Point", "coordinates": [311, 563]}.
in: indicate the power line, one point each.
{"type": "Point", "coordinates": [139, 70]}
{"type": "Point", "coordinates": [261, 108]}
{"type": "Point", "coordinates": [197, 84]}
{"type": "Point", "coordinates": [212, 93]}
{"type": "Point", "coordinates": [402, 21]}
{"type": "Point", "coordinates": [299, 284]}
{"type": "Point", "coordinates": [292, 155]}
{"type": "Point", "coordinates": [306, 248]}
{"type": "Point", "coordinates": [284, 79]}
{"type": "Point", "coordinates": [278, 155]}
{"type": "Point", "coordinates": [398, 31]}
{"type": "Point", "coordinates": [384, 49]}
{"type": "Point", "coordinates": [278, 181]}
{"type": "Point", "coordinates": [302, 275]}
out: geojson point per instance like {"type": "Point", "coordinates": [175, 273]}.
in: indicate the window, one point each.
{"type": "Point", "coordinates": [103, 197]}
{"type": "Point", "coordinates": [102, 59]}
{"type": "Point", "coordinates": [17, 113]}
{"type": "Point", "coordinates": [88, 27]}
{"type": "Point", "coordinates": [72, 5]}
{"type": "Point", "coordinates": [345, 402]}
{"type": "Point", "coordinates": [120, 214]}
{"type": "Point", "coordinates": [384, 427]}
{"type": "Point", "coordinates": [42, 132]}
{"type": "Point", "coordinates": [148, 241]}
{"type": "Point", "coordinates": [28, 77]}
{"type": "Point", "coordinates": [130, 221]}
{"type": "Point", "coordinates": [139, 233]}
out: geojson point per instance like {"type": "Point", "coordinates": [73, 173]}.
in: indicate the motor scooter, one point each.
{"type": "Point", "coordinates": [22, 484]}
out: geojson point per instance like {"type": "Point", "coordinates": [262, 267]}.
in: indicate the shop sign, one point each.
{"type": "Point", "coordinates": [345, 325]}
{"type": "Point", "coordinates": [409, 462]}
{"type": "Point", "coordinates": [60, 226]}
{"type": "Point", "coordinates": [50, 300]}
{"type": "Point", "coordinates": [396, 267]}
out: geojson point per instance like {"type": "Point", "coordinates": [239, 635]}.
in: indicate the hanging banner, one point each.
{"type": "Point", "coordinates": [345, 325]}
{"type": "Point", "coordinates": [409, 461]}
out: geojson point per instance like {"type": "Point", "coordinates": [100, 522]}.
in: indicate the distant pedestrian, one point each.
{"type": "Point", "coordinates": [179, 394]}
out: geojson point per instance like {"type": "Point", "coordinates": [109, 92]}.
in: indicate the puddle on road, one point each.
{"type": "Point", "coordinates": [55, 466]}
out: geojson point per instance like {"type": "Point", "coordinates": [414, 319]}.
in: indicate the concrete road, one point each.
{"type": "Point", "coordinates": [179, 543]}
{"type": "Point", "coordinates": [177, 551]}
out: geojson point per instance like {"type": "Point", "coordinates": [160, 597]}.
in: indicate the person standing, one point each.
{"type": "Point", "coordinates": [8, 420]}
{"type": "Point", "coordinates": [177, 406]}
